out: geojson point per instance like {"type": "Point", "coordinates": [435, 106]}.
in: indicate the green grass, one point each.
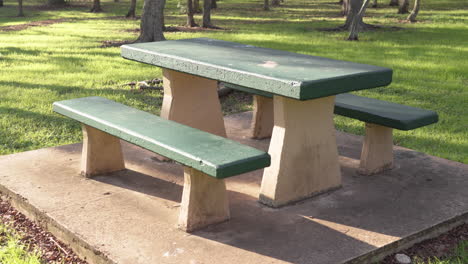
{"type": "Point", "coordinates": [41, 65]}
{"type": "Point", "coordinates": [11, 249]}
{"type": "Point", "coordinates": [459, 256]}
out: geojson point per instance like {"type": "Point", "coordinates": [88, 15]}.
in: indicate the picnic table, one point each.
{"type": "Point", "coordinates": [303, 150]}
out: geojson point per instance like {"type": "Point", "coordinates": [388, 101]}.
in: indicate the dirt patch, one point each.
{"type": "Point", "coordinates": [34, 24]}
{"type": "Point", "coordinates": [170, 29]}
{"type": "Point", "coordinates": [440, 247]}
{"type": "Point", "coordinates": [55, 21]}
{"type": "Point", "coordinates": [367, 27]}
{"type": "Point", "coordinates": [115, 43]}
{"type": "Point", "coordinates": [34, 237]}
{"type": "Point", "coordinates": [57, 7]}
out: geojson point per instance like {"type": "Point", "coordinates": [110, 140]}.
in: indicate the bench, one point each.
{"type": "Point", "coordinates": [381, 117]}
{"type": "Point", "coordinates": [207, 158]}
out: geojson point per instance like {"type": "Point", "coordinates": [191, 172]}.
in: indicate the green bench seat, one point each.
{"type": "Point", "coordinates": [371, 110]}
{"type": "Point", "coordinates": [380, 118]}
{"type": "Point", "coordinates": [207, 158]}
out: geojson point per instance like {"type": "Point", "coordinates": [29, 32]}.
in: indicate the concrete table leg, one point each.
{"type": "Point", "coordinates": [101, 153]}
{"type": "Point", "coordinates": [204, 201]}
{"type": "Point", "coordinates": [262, 121]}
{"type": "Point", "coordinates": [304, 154]}
{"type": "Point", "coordinates": [377, 150]}
{"type": "Point", "coordinates": [192, 101]}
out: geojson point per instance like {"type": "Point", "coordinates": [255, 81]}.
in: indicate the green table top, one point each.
{"type": "Point", "coordinates": [278, 72]}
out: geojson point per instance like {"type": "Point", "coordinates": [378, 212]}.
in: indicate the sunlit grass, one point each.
{"type": "Point", "coordinates": [45, 64]}
{"type": "Point", "coordinates": [12, 251]}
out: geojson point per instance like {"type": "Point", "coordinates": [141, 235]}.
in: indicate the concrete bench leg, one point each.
{"type": "Point", "coordinates": [192, 101]}
{"type": "Point", "coordinates": [262, 121]}
{"type": "Point", "coordinates": [204, 201]}
{"type": "Point", "coordinates": [101, 153]}
{"type": "Point", "coordinates": [304, 155]}
{"type": "Point", "coordinates": [377, 150]}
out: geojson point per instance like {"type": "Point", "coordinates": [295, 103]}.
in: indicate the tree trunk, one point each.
{"type": "Point", "coordinates": [55, 2]}
{"type": "Point", "coordinates": [357, 10]}
{"type": "Point", "coordinates": [20, 8]}
{"type": "Point", "coordinates": [393, 3]}
{"type": "Point", "coordinates": [352, 11]}
{"type": "Point", "coordinates": [96, 7]}
{"type": "Point", "coordinates": [214, 4]}
{"type": "Point", "coordinates": [345, 7]}
{"type": "Point", "coordinates": [116, 1]}
{"type": "Point", "coordinates": [196, 6]}
{"type": "Point", "coordinates": [275, 2]}
{"type": "Point", "coordinates": [374, 4]}
{"type": "Point", "coordinates": [412, 17]}
{"type": "Point", "coordinates": [190, 20]}
{"type": "Point", "coordinates": [131, 11]}
{"type": "Point", "coordinates": [152, 21]}
{"type": "Point", "coordinates": [266, 5]}
{"type": "Point", "coordinates": [1, 3]}
{"type": "Point", "coordinates": [207, 14]}
{"type": "Point", "coordinates": [404, 6]}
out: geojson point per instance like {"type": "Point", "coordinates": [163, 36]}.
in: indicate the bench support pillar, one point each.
{"type": "Point", "coordinates": [192, 101]}
{"type": "Point", "coordinates": [262, 121]}
{"type": "Point", "coordinates": [101, 153]}
{"type": "Point", "coordinates": [204, 201]}
{"type": "Point", "coordinates": [304, 155]}
{"type": "Point", "coordinates": [377, 150]}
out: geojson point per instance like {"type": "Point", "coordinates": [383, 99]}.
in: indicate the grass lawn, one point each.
{"type": "Point", "coordinates": [460, 256]}
{"type": "Point", "coordinates": [12, 251]}
{"type": "Point", "coordinates": [40, 65]}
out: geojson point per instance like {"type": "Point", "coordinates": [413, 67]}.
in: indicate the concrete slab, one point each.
{"type": "Point", "coordinates": [130, 216]}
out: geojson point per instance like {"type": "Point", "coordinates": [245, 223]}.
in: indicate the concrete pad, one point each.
{"type": "Point", "coordinates": [130, 216]}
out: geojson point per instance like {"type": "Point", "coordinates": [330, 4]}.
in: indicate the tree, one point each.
{"type": "Point", "coordinates": [266, 5]}
{"type": "Point", "coordinates": [404, 5]}
{"type": "Point", "coordinates": [1, 3]}
{"type": "Point", "coordinates": [196, 6]}
{"type": "Point", "coordinates": [393, 3]}
{"type": "Point", "coordinates": [190, 19]}
{"type": "Point", "coordinates": [374, 4]}
{"type": "Point", "coordinates": [214, 5]}
{"type": "Point", "coordinates": [414, 13]}
{"type": "Point", "coordinates": [207, 14]}
{"type": "Point", "coordinates": [356, 12]}
{"type": "Point", "coordinates": [152, 21]}
{"type": "Point", "coordinates": [275, 2]}
{"type": "Point", "coordinates": [20, 8]}
{"type": "Point", "coordinates": [131, 11]}
{"type": "Point", "coordinates": [55, 2]}
{"type": "Point", "coordinates": [96, 7]}
{"type": "Point", "coordinates": [345, 7]}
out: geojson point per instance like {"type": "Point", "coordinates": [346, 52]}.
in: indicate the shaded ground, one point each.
{"type": "Point", "coordinates": [51, 22]}
{"type": "Point", "coordinates": [33, 24]}
{"type": "Point", "coordinates": [441, 247]}
{"type": "Point", "coordinates": [34, 237]}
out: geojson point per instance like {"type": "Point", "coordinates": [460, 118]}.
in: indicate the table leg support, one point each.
{"type": "Point", "coordinates": [102, 153]}
{"type": "Point", "coordinates": [262, 121]}
{"type": "Point", "coordinates": [377, 150]}
{"type": "Point", "coordinates": [192, 101]}
{"type": "Point", "coordinates": [304, 154]}
{"type": "Point", "coordinates": [204, 201]}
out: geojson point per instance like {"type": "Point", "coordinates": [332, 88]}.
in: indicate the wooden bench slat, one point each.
{"type": "Point", "coordinates": [371, 110]}
{"type": "Point", "coordinates": [211, 154]}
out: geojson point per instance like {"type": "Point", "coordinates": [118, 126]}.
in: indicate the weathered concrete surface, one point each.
{"type": "Point", "coordinates": [130, 216]}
